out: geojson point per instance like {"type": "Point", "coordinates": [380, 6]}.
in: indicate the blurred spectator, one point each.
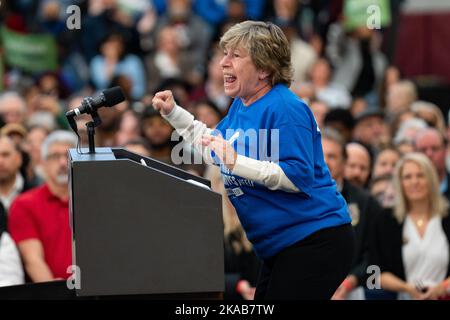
{"type": "Point", "coordinates": [363, 209]}
{"type": "Point", "coordinates": [125, 84]}
{"type": "Point", "coordinates": [39, 219]}
{"type": "Point", "coordinates": [382, 189]}
{"type": "Point", "coordinates": [434, 145]}
{"type": "Point", "coordinates": [236, 11]}
{"type": "Point", "coordinates": [157, 132]}
{"type": "Point", "coordinates": [391, 76]}
{"type": "Point", "coordinates": [431, 114]}
{"type": "Point", "coordinates": [105, 17]}
{"type": "Point", "coordinates": [128, 128]}
{"type": "Point", "coordinates": [371, 130]}
{"type": "Point", "coordinates": [12, 183]}
{"type": "Point", "coordinates": [400, 96]}
{"type": "Point", "coordinates": [42, 119]}
{"type": "Point", "coordinates": [208, 113]}
{"type": "Point", "coordinates": [16, 132]}
{"type": "Point", "coordinates": [114, 60]}
{"type": "Point", "coordinates": [32, 146]}
{"type": "Point", "coordinates": [49, 83]}
{"type": "Point", "coordinates": [241, 263]}
{"type": "Point", "coordinates": [303, 56]}
{"type": "Point", "coordinates": [138, 146]}
{"type": "Point", "coordinates": [341, 120]}
{"type": "Point", "coordinates": [411, 242]}
{"type": "Point", "coordinates": [193, 35]}
{"type": "Point", "coordinates": [215, 11]}
{"type": "Point", "coordinates": [47, 107]}
{"type": "Point", "coordinates": [170, 61]}
{"type": "Point", "coordinates": [105, 135]}
{"type": "Point", "coordinates": [333, 95]}
{"type": "Point", "coordinates": [385, 162]}
{"type": "Point", "coordinates": [405, 135]}
{"type": "Point", "coordinates": [181, 91]}
{"type": "Point", "coordinates": [320, 110]}
{"type": "Point", "coordinates": [50, 17]}
{"type": "Point", "coordinates": [358, 106]}
{"type": "Point", "coordinates": [358, 60]}
{"type": "Point", "coordinates": [307, 17]}
{"type": "Point", "coordinates": [213, 88]}
{"type": "Point", "coordinates": [12, 107]}
{"type": "Point", "coordinates": [358, 164]}
{"type": "Point", "coordinates": [398, 120]}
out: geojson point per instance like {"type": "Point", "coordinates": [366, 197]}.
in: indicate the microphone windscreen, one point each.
{"type": "Point", "coordinates": [113, 96]}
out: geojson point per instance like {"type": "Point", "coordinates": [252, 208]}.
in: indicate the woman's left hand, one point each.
{"type": "Point", "coordinates": [434, 293]}
{"type": "Point", "coordinates": [222, 148]}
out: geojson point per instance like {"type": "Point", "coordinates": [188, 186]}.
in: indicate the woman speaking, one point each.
{"type": "Point", "coordinates": [286, 199]}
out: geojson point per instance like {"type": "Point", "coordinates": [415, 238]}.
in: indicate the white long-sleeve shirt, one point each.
{"type": "Point", "coordinates": [267, 173]}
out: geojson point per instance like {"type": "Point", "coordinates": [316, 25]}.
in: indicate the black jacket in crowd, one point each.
{"type": "Point", "coordinates": [239, 266]}
{"type": "Point", "coordinates": [364, 208]}
{"type": "Point", "coordinates": [446, 193]}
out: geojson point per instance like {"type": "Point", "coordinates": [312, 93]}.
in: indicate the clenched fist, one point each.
{"type": "Point", "coordinates": [164, 102]}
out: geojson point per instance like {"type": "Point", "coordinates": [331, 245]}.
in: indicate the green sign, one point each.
{"type": "Point", "coordinates": [29, 52]}
{"type": "Point", "coordinates": [374, 14]}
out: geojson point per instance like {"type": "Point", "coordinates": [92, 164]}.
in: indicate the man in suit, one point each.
{"type": "Point", "coordinates": [363, 208]}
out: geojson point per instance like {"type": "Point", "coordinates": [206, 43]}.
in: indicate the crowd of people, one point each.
{"type": "Point", "coordinates": [386, 149]}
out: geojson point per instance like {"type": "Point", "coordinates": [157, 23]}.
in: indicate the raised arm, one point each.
{"type": "Point", "coordinates": [191, 130]}
{"type": "Point", "coordinates": [199, 135]}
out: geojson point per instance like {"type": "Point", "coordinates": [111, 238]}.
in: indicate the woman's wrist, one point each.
{"type": "Point", "coordinates": [171, 112]}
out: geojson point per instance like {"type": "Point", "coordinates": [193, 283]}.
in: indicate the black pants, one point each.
{"type": "Point", "coordinates": [312, 268]}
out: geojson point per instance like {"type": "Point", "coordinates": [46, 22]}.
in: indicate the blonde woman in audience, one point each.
{"type": "Point", "coordinates": [410, 243]}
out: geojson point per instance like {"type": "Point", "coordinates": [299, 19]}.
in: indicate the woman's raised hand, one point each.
{"type": "Point", "coordinates": [164, 102]}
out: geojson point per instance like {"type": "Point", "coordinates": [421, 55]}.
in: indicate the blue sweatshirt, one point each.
{"type": "Point", "coordinates": [276, 219]}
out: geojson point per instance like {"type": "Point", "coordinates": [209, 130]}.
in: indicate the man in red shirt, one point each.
{"type": "Point", "coordinates": [39, 219]}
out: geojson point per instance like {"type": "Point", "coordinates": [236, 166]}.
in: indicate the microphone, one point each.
{"type": "Point", "coordinates": [107, 98]}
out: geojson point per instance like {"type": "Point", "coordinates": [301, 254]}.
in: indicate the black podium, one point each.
{"type": "Point", "coordinates": [141, 227]}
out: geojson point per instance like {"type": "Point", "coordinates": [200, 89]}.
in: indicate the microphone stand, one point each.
{"type": "Point", "coordinates": [96, 121]}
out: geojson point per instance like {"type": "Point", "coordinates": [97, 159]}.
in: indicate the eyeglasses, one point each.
{"type": "Point", "coordinates": [56, 156]}
{"type": "Point", "coordinates": [433, 149]}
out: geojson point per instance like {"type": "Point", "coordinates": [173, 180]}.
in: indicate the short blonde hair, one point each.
{"type": "Point", "coordinates": [438, 204]}
{"type": "Point", "coordinates": [267, 46]}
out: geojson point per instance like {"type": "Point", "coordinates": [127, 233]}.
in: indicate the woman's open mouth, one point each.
{"type": "Point", "coordinates": [229, 79]}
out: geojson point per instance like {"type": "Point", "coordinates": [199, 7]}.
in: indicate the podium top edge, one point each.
{"type": "Point", "coordinates": [100, 154]}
